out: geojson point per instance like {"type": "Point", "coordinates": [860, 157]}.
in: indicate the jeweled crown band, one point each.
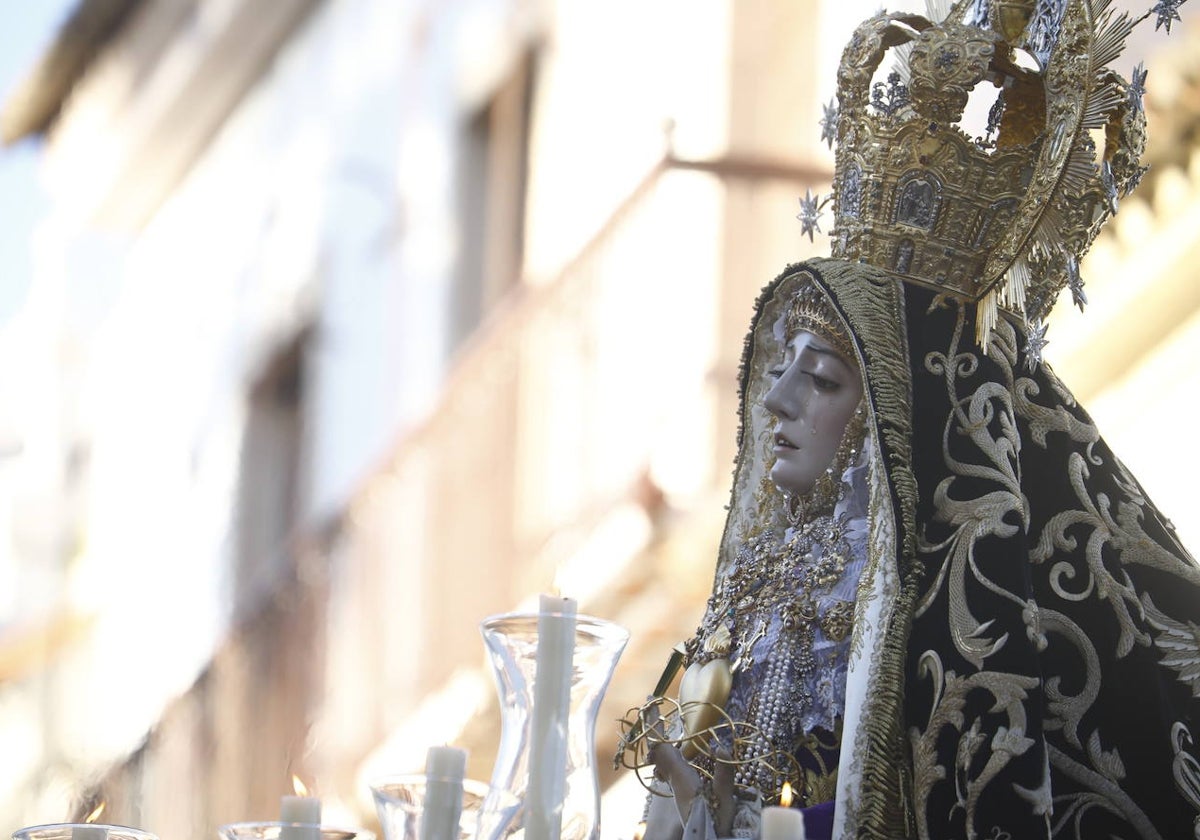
{"type": "Point", "coordinates": [809, 310]}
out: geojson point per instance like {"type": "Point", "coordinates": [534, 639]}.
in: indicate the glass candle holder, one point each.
{"type": "Point", "coordinates": [512, 644]}
{"type": "Point", "coordinates": [400, 803]}
{"type": "Point", "coordinates": [290, 831]}
{"type": "Point", "coordinates": [82, 831]}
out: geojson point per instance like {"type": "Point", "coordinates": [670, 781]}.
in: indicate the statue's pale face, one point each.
{"type": "Point", "coordinates": [814, 396]}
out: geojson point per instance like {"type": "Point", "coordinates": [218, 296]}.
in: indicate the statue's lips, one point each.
{"type": "Point", "coordinates": [781, 442]}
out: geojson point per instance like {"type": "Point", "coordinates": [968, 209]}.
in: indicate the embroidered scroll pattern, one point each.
{"type": "Point", "coordinates": [1009, 691]}
{"type": "Point", "coordinates": [1186, 769]}
{"type": "Point", "coordinates": [985, 417]}
{"type": "Point", "coordinates": [1089, 550]}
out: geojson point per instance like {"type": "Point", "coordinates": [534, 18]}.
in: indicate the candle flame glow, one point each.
{"type": "Point", "coordinates": [96, 812]}
{"type": "Point", "coordinates": [639, 831]}
{"type": "Point", "coordinates": [785, 795]}
{"type": "Point", "coordinates": [298, 786]}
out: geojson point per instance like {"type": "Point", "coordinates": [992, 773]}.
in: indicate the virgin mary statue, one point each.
{"type": "Point", "coordinates": [942, 607]}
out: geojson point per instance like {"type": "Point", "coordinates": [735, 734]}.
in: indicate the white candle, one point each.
{"type": "Point", "coordinates": [442, 808]}
{"type": "Point", "coordinates": [300, 815]}
{"type": "Point", "coordinates": [780, 823]}
{"type": "Point", "coordinates": [548, 727]}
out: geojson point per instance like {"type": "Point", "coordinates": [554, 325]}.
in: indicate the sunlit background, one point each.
{"type": "Point", "coordinates": [330, 327]}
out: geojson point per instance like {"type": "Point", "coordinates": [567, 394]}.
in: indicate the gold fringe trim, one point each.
{"type": "Point", "coordinates": [987, 313]}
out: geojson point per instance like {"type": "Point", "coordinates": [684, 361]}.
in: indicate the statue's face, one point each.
{"type": "Point", "coordinates": [814, 396]}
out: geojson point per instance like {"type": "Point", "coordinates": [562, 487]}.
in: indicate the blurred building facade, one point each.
{"type": "Point", "coordinates": [357, 321]}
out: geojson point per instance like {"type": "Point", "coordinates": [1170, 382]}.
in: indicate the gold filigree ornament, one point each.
{"type": "Point", "coordinates": [719, 741]}
{"type": "Point", "coordinates": [999, 221]}
{"type": "Point", "coordinates": [657, 721]}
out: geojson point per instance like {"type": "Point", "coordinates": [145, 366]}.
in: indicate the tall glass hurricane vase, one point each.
{"type": "Point", "coordinates": [512, 644]}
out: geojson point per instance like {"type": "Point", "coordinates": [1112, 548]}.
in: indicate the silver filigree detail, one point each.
{"type": "Point", "coordinates": [977, 14]}
{"type": "Point", "coordinates": [1044, 28]}
{"type": "Point", "coordinates": [995, 115]}
{"type": "Point", "coordinates": [890, 98]}
{"type": "Point", "coordinates": [849, 192]}
{"type": "Point", "coordinates": [946, 58]}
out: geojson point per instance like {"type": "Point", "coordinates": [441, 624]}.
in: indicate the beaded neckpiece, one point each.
{"type": "Point", "coordinates": [774, 593]}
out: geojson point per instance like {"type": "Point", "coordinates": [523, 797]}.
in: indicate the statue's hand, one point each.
{"type": "Point", "coordinates": [685, 780]}
{"type": "Point", "coordinates": [671, 766]}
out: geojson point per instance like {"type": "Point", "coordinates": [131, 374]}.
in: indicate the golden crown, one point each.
{"type": "Point", "coordinates": [1000, 220]}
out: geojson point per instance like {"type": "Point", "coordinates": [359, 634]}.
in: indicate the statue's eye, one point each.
{"type": "Point", "coordinates": [824, 384]}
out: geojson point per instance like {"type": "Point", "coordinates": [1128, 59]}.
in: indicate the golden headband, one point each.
{"type": "Point", "coordinates": [809, 310]}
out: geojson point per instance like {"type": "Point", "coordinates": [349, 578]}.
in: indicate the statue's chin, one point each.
{"type": "Point", "coordinates": [788, 482]}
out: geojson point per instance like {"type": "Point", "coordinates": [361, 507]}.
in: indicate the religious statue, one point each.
{"type": "Point", "coordinates": [942, 607]}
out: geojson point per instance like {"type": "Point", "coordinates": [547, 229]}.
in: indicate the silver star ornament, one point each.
{"type": "Point", "coordinates": [1035, 344]}
{"type": "Point", "coordinates": [1137, 87]}
{"type": "Point", "coordinates": [1075, 282]}
{"type": "Point", "coordinates": [829, 122]}
{"type": "Point", "coordinates": [1168, 12]}
{"type": "Point", "coordinates": [810, 213]}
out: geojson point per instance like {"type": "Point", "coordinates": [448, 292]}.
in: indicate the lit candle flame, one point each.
{"type": "Point", "coordinates": [96, 812]}
{"type": "Point", "coordinates": [639, 831]}
{"type": "Point", "coordinates": [298, 786]}
{"type": "Point", "coordinates": [785, 795]}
